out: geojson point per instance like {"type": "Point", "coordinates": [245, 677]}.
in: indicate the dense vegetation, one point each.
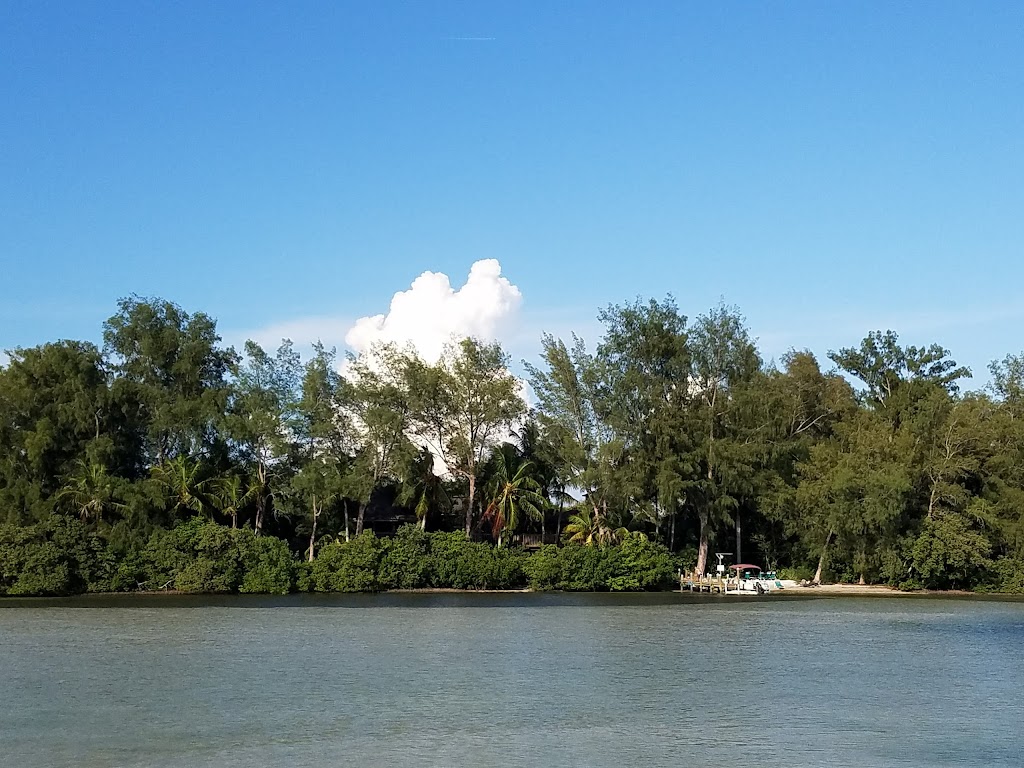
{"type": "Point", "coordinates": [166, 460]}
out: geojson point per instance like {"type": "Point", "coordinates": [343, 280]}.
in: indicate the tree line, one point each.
{"type": "Point", "coordinates": [165, 458]}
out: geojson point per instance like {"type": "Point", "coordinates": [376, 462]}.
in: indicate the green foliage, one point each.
{"type": "Point", "coordinates": [414, 559]}
{"type": "Point", "coordinates": [201, 556]}
{"type": "Point", "coordinates": [268, 566]}
{"type": "Point", "coordinates": [456, 563]}
{"type": "Point", "coordinates": [406, 560]}
{"type": "Point", "coordinates": [644, 565]}
{"type": "Point", "coordinates": [54, 406]}
{"type": "Point", "coordinates": [949, 553]}
{"type": "Point", "coordinates": [171, 375]}
{"type": "Point", "coordinates": [672, 429]}
{"type": "Point", "coordinates": [351, 566]}
{"type": "Point", "coordinates": [635, 565]}
{"type": "Point", "coordinates": [797, 573]}
{"type": "Point", "coordinates": [58, 556]}
{"type": "Point", "coordinates": [1006, 575]}
{"type": "Point", "coordinates": [461, 407]}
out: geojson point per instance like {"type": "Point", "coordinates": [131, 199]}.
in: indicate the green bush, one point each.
{"type": "Point", "coordinates": [642, 565]}
{"type": "Point", "coordinates": [797, 573]}
{"type": "Point", "coordinates": [544, 568]}
{"type": "Point", "coordinates": [949, 553]}
{"type": "Point", "coordinates": [350, 566]}
{"type": "Point", "coordinates": [636, 564]}
{"type": "Point", "coordinates": [413, 559]}
{"type": "Point", "coordinates": [456, 563]}
{"type": "Point", "coordinates": [196, 556]}
{"type": "Point", "coordinates": [202, 556]}
{"type": "Point", "coordinates": [268, 565]}
{"type": "Point", "coordinates": [1006, 575]}
{"type": "Point", "coordinates": [406, 560]}
{"type": "Point", "coordinates": [58, 556]}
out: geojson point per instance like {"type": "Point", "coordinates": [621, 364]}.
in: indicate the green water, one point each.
{"type": "Point", "coordinates": [511, 680]}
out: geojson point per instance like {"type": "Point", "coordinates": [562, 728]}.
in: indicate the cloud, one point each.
{"type": "Point", "coordinates": [431, 312]}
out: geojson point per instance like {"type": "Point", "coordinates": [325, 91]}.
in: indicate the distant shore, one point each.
{"type": "Point", "coordinates": [790, 589]}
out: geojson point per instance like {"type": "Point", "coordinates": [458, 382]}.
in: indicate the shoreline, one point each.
{"type": "Point", "coordinates": [790, 589]}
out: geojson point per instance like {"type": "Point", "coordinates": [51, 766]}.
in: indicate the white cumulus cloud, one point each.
{"type": "Point", "coordinates": [431, 312]}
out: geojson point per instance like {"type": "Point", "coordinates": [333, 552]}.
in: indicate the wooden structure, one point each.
{"type": "Point", "coordinates": [534, 540]}
{"type": "Point", "coordinates": [714, 583]}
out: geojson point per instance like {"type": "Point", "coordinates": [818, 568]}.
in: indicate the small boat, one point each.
{"type": "Point", "coordinates": [747, 579]}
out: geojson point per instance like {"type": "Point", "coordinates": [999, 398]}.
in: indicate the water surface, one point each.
{"type": "Point", "coordinates": [510, 680]}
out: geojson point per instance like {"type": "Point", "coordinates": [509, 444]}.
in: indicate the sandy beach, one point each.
{"type": "Point", "coordinates": [874, 590]}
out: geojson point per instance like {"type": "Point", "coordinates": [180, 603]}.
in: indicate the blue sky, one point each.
{"type": "Point", "coordinates": [831, 168]}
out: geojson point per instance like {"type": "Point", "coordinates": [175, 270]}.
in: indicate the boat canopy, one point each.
{"type": "Point", "coordinates": [745, 567]}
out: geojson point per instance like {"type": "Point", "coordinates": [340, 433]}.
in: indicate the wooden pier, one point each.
{"type": "Point", "coordinates": [708, 583]}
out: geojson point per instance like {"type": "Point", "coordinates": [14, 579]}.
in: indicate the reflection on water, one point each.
{"type": "Point", "coordinates": [510, 679]}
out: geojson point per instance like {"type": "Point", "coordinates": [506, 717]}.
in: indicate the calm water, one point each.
{"type": "Point", "coordinates": [510, 680]}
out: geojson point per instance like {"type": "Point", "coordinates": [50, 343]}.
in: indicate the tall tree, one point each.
{"type": "Point", "coordinates": [463, 406]}
{"type": "Point", "coordinates": [568, 388]}
{"type": "Point", "coordinates": [896, 377]}
{"type": "Point", "coordinates": [318, 484]}
{"type": "Point", "coordinates": [646, 364]}
{"type": "Point", "coordinates": [724, 361]}
{"type": "Point", "coordinates": [56, 411]}
{"type": "Point", "coordinates": [422, 489]}
{"type": "Point", "coordinates": [855, 491]}
{"type": "Point", "coordinates": [173, 373]}
{"type": "Point", "coordinates": [262, 420]}
{"type": "Point", "coordinates": [799, 407]}
{"type": "Point", "coordinates": [376, 400]}
{"type": "Point", "coordinates": [324, 431]}
{"type": "Point", "coordinates": [513, 491]}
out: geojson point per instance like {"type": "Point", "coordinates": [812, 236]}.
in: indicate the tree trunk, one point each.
{"type": "Point", "coordinates": [234, 520]}
{"type": "Point", "coordinates": [346, 521]}
{"type": "Point", "coordinates": [739, 550]}
{"type": "Point", "coordinates": [702, 549]}
{"type": "Point", "coordinates": [672, 533]}
{"type": "Point", "coordinates": [260, 504]}
{"type": "Point", "coordinates": [261, 498]}
{"type": "Point", "coordinates": [469, 506]}
{"type": "Point", "coordinates": [821, 560]}
{"type": "Point", "coordinates": [312, 535]}
{"type": "Point", "coordinates": [360, 517]}
{"type": "Point", "coordinates": [423, 523]}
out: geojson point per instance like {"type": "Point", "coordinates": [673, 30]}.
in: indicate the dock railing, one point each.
{"type": "Point", "coordinates": [708, 582]}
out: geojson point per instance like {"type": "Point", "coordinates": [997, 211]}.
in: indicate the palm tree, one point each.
{"type": "Point", "coordinates": [180, 477]}
{"type": "Point", "coordinates": [513, 493]}
{"type": "Point", "coordinates": [535, 447]}
{"type": "Point", "coordinates": [423, 489]}
{"type": "Point", "coordinates": [590, 528]}
{"type": "Point", "coordinates": [89, 492]}
{"type": "Point", "coordinates": [231, 496]}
